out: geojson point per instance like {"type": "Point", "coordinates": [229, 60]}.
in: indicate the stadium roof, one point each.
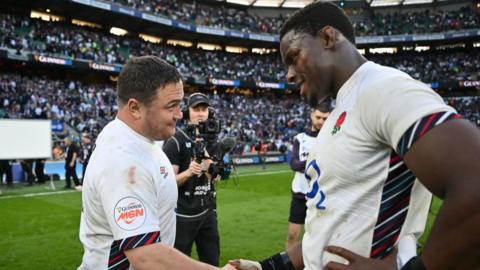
{"type": "Point", "coordinates": [302, 3]}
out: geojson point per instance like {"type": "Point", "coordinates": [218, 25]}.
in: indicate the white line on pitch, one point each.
{"type": "Point", "coordinates": [36, 194]}
{"type": "Point", "coordinates": [70, 191]}
{"type": "Point", "coordinates": [263, 173]}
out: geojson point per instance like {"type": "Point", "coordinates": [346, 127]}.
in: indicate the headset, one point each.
{"type": "Point", "coordinates": [186, 113]}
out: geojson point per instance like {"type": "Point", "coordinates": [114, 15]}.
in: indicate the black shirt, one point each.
{"type": "Point", "coordinates": [70, 150]}
{"type": "Point", "coordinates": [196, 196]}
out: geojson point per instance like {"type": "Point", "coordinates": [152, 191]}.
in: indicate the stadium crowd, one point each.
{"type": "Point", "coordinates": [256, 120]}
{"type": "Point", "coordinates": [86, 108]}
{"type": "Point", "coordinates": [218, 16]}
{"type": "Point", "coordinates": [272, 120]}
{"type": "Point", "coordinates": [65, 40]}
{"type": "Point", "coordinates": [366, 22]}
{"type": "Point", "coordinates": [79, 43]}
{"type": "Point", "coordinates": [418, 22]}
{"type": "Point", "coordinates": [439, 66]}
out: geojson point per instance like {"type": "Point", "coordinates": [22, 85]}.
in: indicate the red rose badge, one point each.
{"type": "Point", "coordinates": [339, 123]}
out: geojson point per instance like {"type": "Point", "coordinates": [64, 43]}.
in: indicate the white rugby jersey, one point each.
{"type": "Point", "coordinates": [305, 144]}
{"type": "Point", "coordinates": [129, 198]}
{"type": "Point", "coordinates": [363, 197]}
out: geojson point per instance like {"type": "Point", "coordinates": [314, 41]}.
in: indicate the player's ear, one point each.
{"type": "Point", "coordinates": [135, 108]}
{"type": "Point", "coordinates": [328, 36]}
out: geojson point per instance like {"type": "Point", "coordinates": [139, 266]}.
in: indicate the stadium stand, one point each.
{"type": "Point", "coordinates": [66, 40]}
{"type": "Point", "coordinates": [367, 22]}
{"type": "Point", "coordinates": [88, 107]}
{"type": "Point", "coordinates": [85, 106]}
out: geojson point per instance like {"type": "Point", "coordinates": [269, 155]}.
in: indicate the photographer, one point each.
{"type": "Point", "coordinates": [188, 151]}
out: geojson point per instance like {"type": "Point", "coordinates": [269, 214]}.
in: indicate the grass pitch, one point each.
{"type": "Point", "coordinates": [41, 231]}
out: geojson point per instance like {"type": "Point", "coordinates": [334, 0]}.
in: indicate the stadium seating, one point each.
{"type": "Point", "coordinates": [88, 108]}
{"type": "Point", "coordinates": [273, 120]}
{"type": "Point", "coordinates": [366, 22]}
{"type": "Point", "coordinates": [66, 40]}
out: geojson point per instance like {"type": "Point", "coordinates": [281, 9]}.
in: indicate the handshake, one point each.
{"type": "Point", "coordinates": [280, 261]}
{"type": "Point", "coordinates": [242, 265]}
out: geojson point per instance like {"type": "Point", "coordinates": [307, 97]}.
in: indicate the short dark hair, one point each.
{"type": "Point", "coordinates": [317, 15]}
{"type": "Point", "coordinates": [324, 106]}
{"type": "Point", "coordinates": [142, 76]}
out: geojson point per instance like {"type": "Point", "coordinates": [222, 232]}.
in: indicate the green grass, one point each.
{"type": "Point", "coordinates": [436, 203]}
{"type": "Point", "coordinates": [42, 232]}
{"type": "Point", "coordinates": [20, 189]}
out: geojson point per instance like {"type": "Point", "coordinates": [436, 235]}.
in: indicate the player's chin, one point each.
{"type": "Point", "coordinates": [171, 131]}
{"type": "Point", "coordinates": [165, 134]}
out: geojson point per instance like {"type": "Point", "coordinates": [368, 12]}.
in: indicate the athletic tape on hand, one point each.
{"type": "Point", "coordinates": [246, 264]}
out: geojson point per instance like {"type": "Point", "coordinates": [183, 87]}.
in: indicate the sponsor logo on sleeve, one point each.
{"type": "Point", "coordinates": [163, 171]}
{"type": "Point", "coordinates": [130, 213]}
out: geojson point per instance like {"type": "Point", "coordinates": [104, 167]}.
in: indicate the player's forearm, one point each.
{"type": "Point", "coordinates": [162, 257]}
{"type": "Point", "coordinates": [177, 260]}
{"type": "Point", "coordinates": [297, 165]}
{"type": "Point", "coordinates": [296, 256]}
{"type": "Point", "coordinates": [454, 241]}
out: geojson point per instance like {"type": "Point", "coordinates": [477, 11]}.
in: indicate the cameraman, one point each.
{"type": "Point", "coordinates": [196, 208]}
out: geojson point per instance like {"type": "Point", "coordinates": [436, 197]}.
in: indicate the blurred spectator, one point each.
{"type": "Point", "coordinates": [6, 169]}
{"type": "Point", "coordinates": [87, 149]}
{"type": "Point", "coordinates": [57, 152]}
{"type": "Point", "coordinates": [39, 173]}
{"type": "Point", "coordinates": [70, 163]}
{"type": "Point", "coordinates": [27, 167]}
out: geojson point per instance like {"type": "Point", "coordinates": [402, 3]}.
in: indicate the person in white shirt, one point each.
{"type": "Point", "coordinates": [129, 192]}
{"type": "Point", "coordinates": [388, 141]}
{"type": "Point", "coordinates": [302, 145]}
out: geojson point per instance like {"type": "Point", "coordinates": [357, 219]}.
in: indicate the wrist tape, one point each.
{"type": "Point", "coordinates": [279, 261]}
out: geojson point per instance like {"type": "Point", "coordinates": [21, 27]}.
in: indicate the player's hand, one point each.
{"type": "Point", "coordinates": [242, 264]}
{"type": "Point", "coordinates": [194, 168]}
{"type": "Point", "coordinates": [228, 267]}
{"type": "Point", "coordinates": [357, 262]}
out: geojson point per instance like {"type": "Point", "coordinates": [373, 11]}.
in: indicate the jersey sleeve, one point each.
{"type": "Point", "coordinates": [129, 200]}
{"type": "Point", "coordinates": [295, 163]}
{"type": "Point", "coordinates": [392, 108]}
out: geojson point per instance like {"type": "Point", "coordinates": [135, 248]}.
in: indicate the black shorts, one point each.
{"type": "Point", "coordinates": [298, 209]}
